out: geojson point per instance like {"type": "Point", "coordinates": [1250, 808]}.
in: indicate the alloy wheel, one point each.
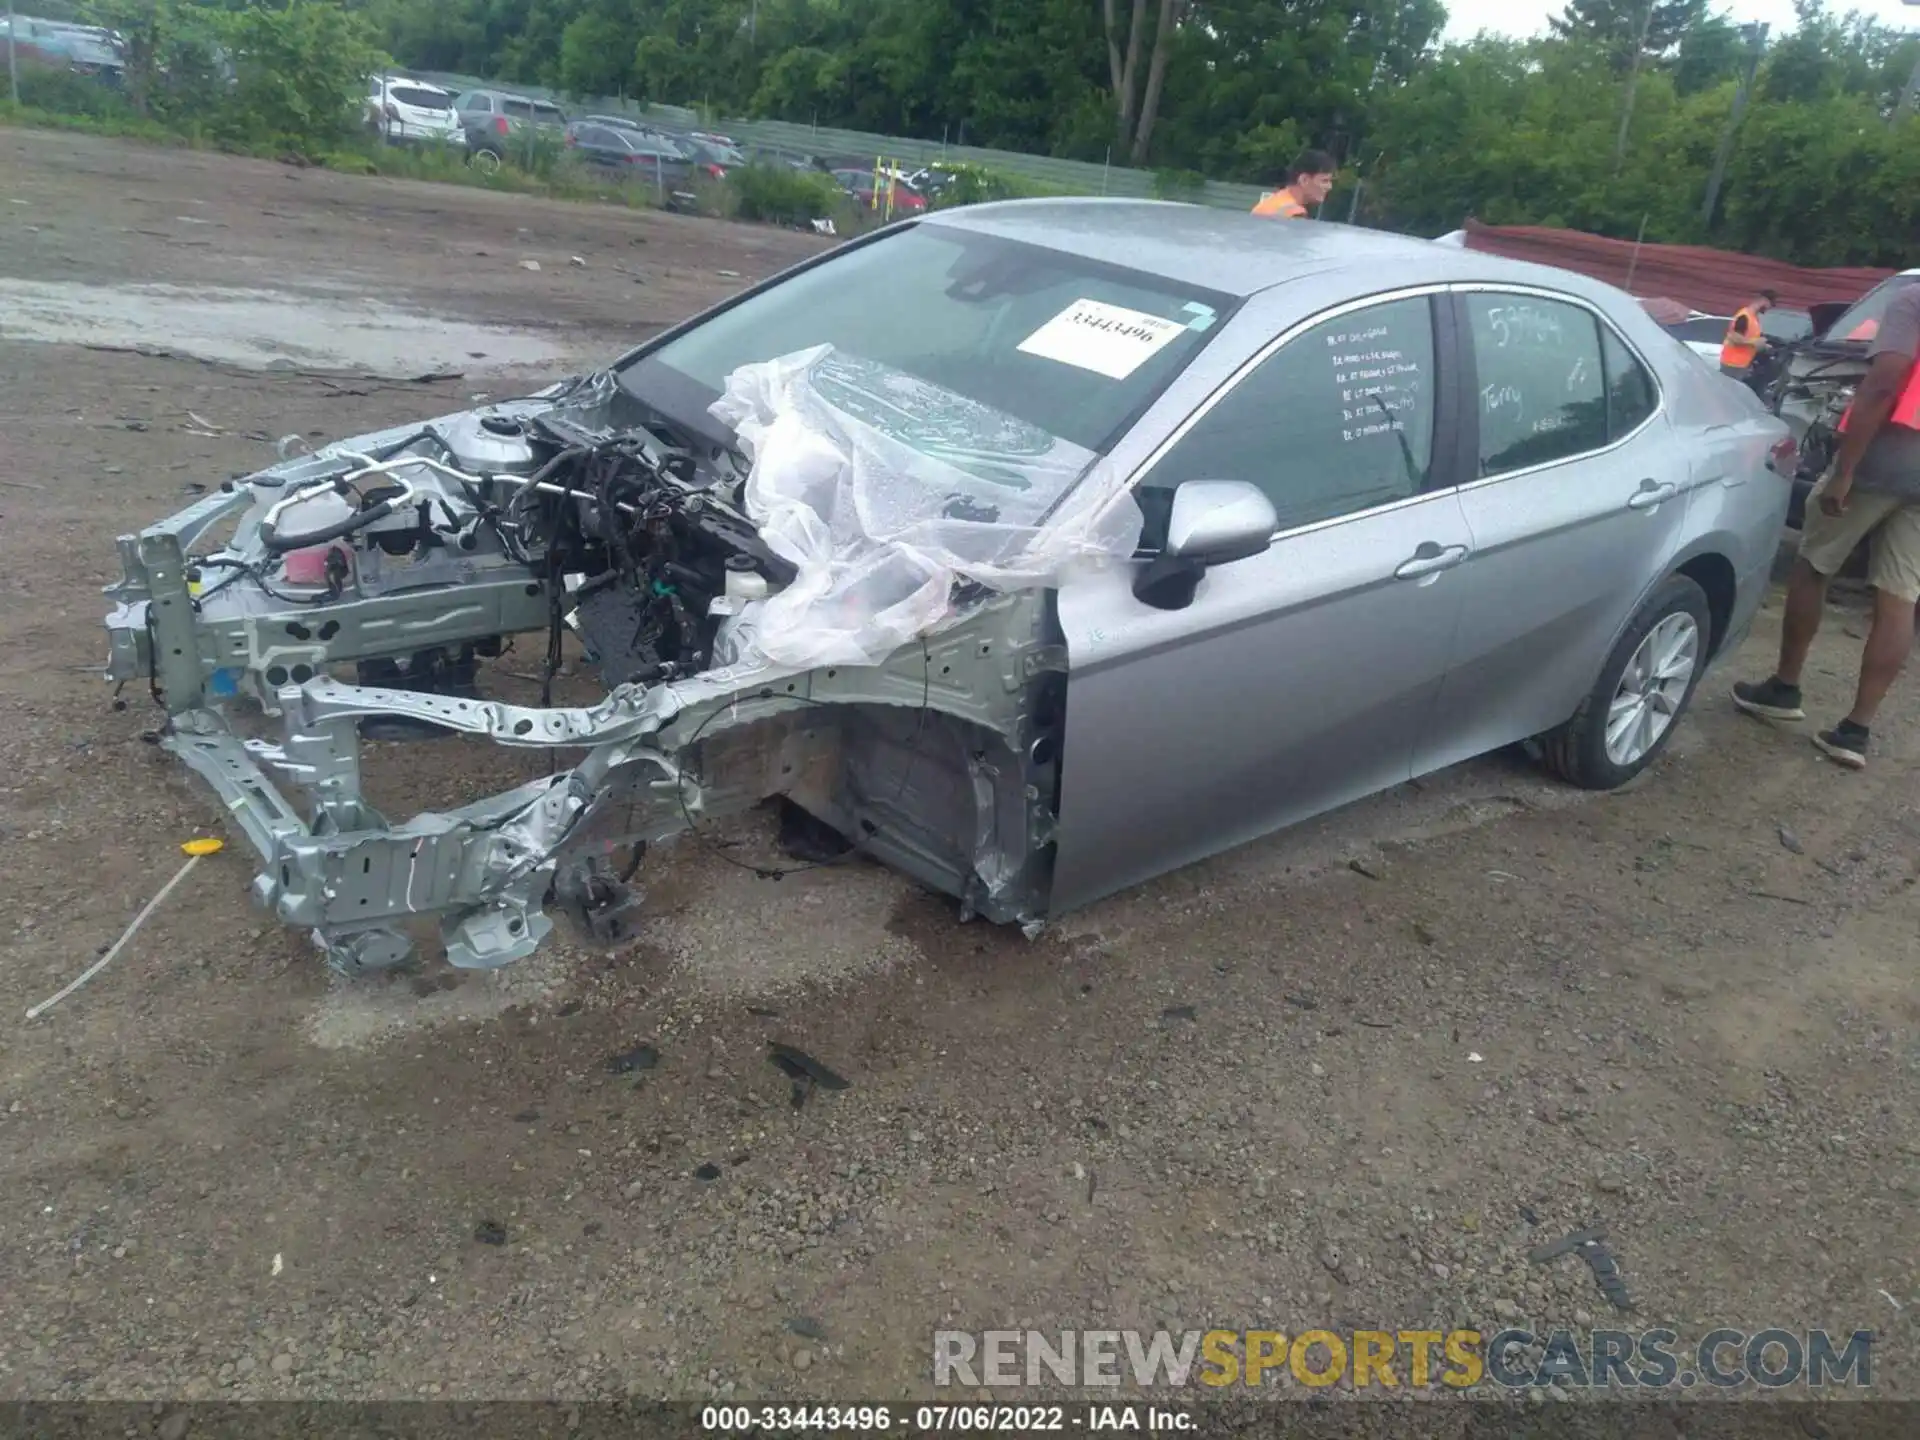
{"type": "Point", "coordinates": [1652, 689]}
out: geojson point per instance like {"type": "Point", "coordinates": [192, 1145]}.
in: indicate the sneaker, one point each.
{"type": "Point", "coordinates": [1846, 743]}
{"type": "Point", "coordinates": [1771, 699]}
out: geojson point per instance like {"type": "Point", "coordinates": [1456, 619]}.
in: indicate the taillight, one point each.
{"type": "Point", "coordinates": [393, 111]}
{"type": "Point", "coordinates": [716, 172]}
{"type": "Point", "coordinates": [500, 124]}
{"type": "Point", "coordinates": [571, 141]}
{"type": "Point", "coordinates": [1784, 457]}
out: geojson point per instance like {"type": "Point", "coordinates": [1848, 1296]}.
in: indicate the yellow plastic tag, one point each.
{"type": "Point", "coordinates": [204, 847]}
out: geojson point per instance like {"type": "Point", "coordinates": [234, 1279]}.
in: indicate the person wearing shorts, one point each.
{"type": "Point", "coordinates": [1871, 494]}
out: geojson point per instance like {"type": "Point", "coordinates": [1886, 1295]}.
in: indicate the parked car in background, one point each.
{"type": "Point", "coordinates": [492, 120]}
{"type": "Point", "coordinates": [1704, 334]}
{"type": "Point", "coordinates": [1813, 388]}
{"type": "Point", "coordinates": [775, 158]}
{"type": "Point", "coordinates": [876, 193]}
{"type": "Point", "coordinates": [90, 50]}
{"type": "Point", "coordinates": [626, 122]}
{"type": "Point", "coordinates": [712, 156]}
{"type": "Point", "coordinates": [403, 111]}
{"type": "Point", "coordinates": [633, 154]}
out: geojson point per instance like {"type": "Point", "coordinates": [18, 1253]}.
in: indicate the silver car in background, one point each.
{"type": "Point", "coordinates": [1392, 505]}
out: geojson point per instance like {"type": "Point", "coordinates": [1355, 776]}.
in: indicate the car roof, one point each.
{"type": "Point", "coordinates": [1236, 253]}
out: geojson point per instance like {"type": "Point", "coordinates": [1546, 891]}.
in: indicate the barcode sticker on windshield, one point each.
{"type": "Point", "coordinates": [1109, 340]}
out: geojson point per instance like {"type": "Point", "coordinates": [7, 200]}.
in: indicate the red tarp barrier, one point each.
{"type": "Point", "coordinates": [1718, 282]}
{"type": "Point", "coordinates": [1664, 310]}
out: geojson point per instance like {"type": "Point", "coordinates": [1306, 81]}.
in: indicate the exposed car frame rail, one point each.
{"type": "Point", "coordinates": [657, 760]}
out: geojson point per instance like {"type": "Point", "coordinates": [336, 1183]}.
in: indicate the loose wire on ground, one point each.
{"type": "Point", "coordinates": [197, 850]}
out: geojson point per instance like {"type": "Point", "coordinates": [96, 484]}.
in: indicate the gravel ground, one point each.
{"type": "Point", "coordinates": [1346, 1077]}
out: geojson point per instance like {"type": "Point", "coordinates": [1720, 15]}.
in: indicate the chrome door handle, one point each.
{"type": "Point", "coordinates": [1650, 495]}
{"type": "Point", "coordinates": [1430, 559]}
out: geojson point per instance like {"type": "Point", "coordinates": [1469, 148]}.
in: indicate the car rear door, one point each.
{"type": "Point", "coordinates": [476, 116]}
{"type": "Point", "coordinates": [1577, 509]}
{"type": "Point", "coordinates": [1298, 679]}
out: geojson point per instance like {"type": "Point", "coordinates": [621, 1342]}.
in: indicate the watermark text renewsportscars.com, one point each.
{"type": "Point", "coordinates": [1510, 1358]}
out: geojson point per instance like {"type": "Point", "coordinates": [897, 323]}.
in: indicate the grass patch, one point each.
{"type": "Point", "coordinates": [124, 126]}
{"type": "Point", "coordinates": [783, 196]}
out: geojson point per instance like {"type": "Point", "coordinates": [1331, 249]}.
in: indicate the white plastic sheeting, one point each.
{"type": "Point", "coordinates": [885, 491]}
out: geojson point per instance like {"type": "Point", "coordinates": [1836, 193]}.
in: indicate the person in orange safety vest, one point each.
{"type": "Point", "coordinates": [1872, 495]}
{"type": "Point", "coordinates": [1744, 336]}
{"type": "Point", "coordinates": [1308, 181]}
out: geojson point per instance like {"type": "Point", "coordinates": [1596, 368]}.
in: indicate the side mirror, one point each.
{"type": "Point", "coordinates": [1215, 522]}
{"type": "Point", "coordinates": [1825, 313]}
{"type": "Point", "coordinates": [1210, 522]}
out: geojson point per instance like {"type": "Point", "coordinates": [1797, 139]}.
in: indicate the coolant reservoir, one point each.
{"type": "Point", "coordinates": [317, 511]}
{"type": "Point", "coordinates": [744, 583]}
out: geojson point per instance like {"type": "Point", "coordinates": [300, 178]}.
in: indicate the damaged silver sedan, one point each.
{"type": "Point", "coordinates": [1035, 549]}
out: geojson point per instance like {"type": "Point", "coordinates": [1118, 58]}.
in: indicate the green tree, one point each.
{"type": "Point", "coordinates": [299, 72]}
{"type": "Point", "coordinates": [1622, 27]}
{"type": "Point", "coordinates": [1711, 53]}
{"type": "Point", "coordinates": [172, 54]}
{"type": "Point", "coordinates": [597, 51]}
{"type": "Point", "coordinates": [1590, 126]}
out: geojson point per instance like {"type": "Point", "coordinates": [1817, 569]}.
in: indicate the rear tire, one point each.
{"type": "Point", "coordinates": [1631, 713]}
{"type": "Point", "coordinates": [485, 161]}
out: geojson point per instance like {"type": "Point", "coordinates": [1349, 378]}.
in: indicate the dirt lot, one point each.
{"type": "Point", "coordinates": [1279, 1089]}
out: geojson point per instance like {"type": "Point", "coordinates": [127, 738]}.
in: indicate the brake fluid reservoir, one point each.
{"type": "Point", "coordinates": [744, 583]}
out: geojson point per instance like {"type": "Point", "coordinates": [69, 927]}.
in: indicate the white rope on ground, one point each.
{"type": "Point", "coordinates": [197, 850]}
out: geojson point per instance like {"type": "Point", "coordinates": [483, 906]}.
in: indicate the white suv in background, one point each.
{"type": "Point", "coordinates": [412, 112]}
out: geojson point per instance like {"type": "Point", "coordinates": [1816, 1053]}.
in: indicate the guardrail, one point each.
{"type": "Point", "coordinates": [1074, 176]}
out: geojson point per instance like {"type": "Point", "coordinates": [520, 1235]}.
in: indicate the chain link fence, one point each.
{"type": "Point", "coordinates": [1069, 176]}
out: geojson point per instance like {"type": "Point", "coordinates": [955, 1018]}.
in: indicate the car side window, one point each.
{"type": "Point", "coordinates": [1543, 392]}
{"type": "Point", "coordinates": [1338, 420]}
{"type": "Point", "coordinates": [1631, 393]}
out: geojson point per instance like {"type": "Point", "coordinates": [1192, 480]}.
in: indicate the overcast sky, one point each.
{"type": "Point", "coordinates": [1529, 17]}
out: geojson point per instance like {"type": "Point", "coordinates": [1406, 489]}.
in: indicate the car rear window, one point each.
{"type": "Point", "coordinates": [1786, 324]}
{"type": "Point", "coordinates": [1862, 322]}
{"type": "Point", "coordinates": [1708, 331]}
{"type": "Point", "coordinates": [421, 99]}
{"type": "Point", "coordinates": [518, 108]}
{"type": "Point", "coordinates": [548, 115]}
